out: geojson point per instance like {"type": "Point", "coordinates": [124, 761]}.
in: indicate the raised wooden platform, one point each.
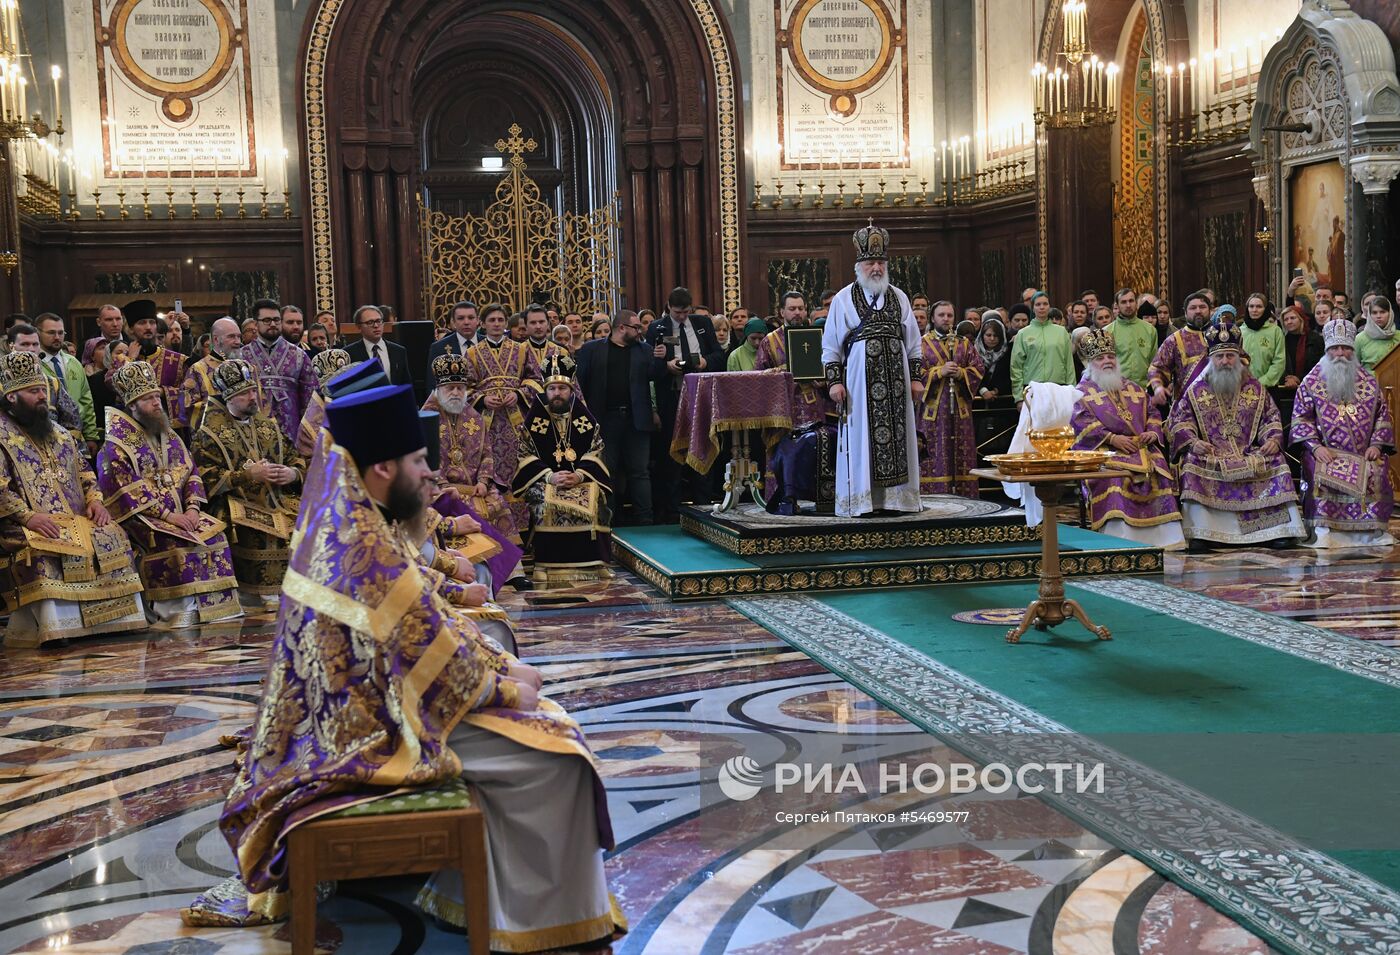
{"type": "Point", "coordinates": [946, 521]}
{"type": "Point", "coordinates": [686, 566]}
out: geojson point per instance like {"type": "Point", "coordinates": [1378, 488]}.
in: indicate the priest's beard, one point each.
{"type": "Point", "coordinates": [405, 503]}
{"type": "Point", "coordinates": [1340, 375]}
{"type": "Point", "coordinates": [872, 287]}
{"type": "Point", "coordinates": [156, 424]}
{"type": "Point", "coordinates": [147, 346]}
{"type": "Point", "coordinates": [1108, 380]}
{"type": "Point", "coordinates": [559, 405]}
{"type": "Point", "coordinates": [453, 406]}
{"type": "Point", "coordinates": [32, 418]}
{"type": "Point", "coordinates": [1225, 382]}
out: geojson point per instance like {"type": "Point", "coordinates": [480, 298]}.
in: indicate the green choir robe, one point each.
{"type": "Point", "coordinates": [1265, 351]}
{"type": "Point", "coordinates": [1372, 350]}
{"type": "Point", "coordinates": [742, 358]}
{"type": "Point", "coordinates": [1041, 351]}
{"type": "Point", "coordinates": [1135, 341]}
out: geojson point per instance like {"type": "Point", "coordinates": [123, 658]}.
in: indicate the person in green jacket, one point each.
{"type": "Point", "coordinates": [1263, 341]}
{"type": "Point", "coordinates": [1377, 336]}
{"type": "Point", "coordinates": [743, 357]}
{"type": "Point", "coordinates": [1041, 351]}
{"type": "Point", "coordinates": [1135, 340]}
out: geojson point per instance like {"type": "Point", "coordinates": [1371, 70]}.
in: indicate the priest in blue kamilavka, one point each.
{"type": "Point", "coordinates": [561, 475]}
{"type": "Point", "coordinates": [874, 363]}
{"type": "Point", "coordinates": [65, 567]}
{"type": "Point", "coordinates": [153, 489]}
{"type": "Point", "coordinates": [362, 623]}
{"type": "Point", "coordinates": [1342, 427]}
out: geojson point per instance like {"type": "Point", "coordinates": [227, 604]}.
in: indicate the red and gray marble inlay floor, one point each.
{"type": "Point", "coordinates": [111, 779]}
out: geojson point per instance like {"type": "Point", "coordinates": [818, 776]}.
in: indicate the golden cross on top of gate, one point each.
{"type": "Point", "coordinates": [516, 146]}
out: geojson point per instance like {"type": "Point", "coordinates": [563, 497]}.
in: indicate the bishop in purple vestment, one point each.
{"type": "Point", "coordinates": [1227, 438]}
{"type": "Point", "coordinates": [1115, 415]}
{"type": "Point", "coordinates": [1342, 426]}
{"type": "Point", "coordinates": [49, 499]}
{"type": "Point", "coordinates": [153, 490]}
{"type": "Point", "coordinates": [952, 376]}
{"type": "Point", "coordinates": [284, 371]}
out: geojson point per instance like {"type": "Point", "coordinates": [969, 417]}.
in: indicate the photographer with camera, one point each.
{"type": "Point", "coordinates": [681, 344]}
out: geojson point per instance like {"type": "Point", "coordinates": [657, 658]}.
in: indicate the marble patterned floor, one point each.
{"type": "Point", "coordinates": [111, 776]}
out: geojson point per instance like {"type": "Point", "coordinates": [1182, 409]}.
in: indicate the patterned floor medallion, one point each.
{"type": "Point", "coordinates": [992, 616]}
{"type": "Point", "coordinates": [111, 780]}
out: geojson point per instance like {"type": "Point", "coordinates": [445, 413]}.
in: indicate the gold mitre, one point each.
{"type": "Point", "coordinates": [20, 370]}
{"type": "Point", "coordinates": [233, 377]}
{"type": "Point", "coordinates": [558, 370]}
{"type": "Point", "coordinates": [450, 369]}
{"type": "Point", "coordinates": [134, 381]}
{"type": "Point", "coordinates": [328, 363]}
{"type": "Point", "coordinates": [1095, 344]}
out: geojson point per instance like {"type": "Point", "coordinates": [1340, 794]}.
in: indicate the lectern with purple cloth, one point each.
{"type": "Point", "coordinates": [736, 402]}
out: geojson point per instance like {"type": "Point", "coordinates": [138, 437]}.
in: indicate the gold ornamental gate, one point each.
{"type": "Point", "coordinates": [520, 247]}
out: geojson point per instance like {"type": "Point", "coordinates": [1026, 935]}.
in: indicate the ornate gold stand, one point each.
{"type": "Point", "coordinates": [741, 472]}
{"type": "Point", "coordinates": [1051, 608]}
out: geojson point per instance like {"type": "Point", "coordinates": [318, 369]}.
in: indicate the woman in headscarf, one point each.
{"type": "Point", "coordinates": [1263, 340]}
{"type": "Point", "coordinates": [1165, 323]}
{"type": "Point", "coordinates": [994, 349]}
{"type": "Point", "coordinates": [97, 359]}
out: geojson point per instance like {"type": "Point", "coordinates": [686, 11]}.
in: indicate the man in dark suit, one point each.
{"type": "Point", "coordinates": [372, 344]}
{"type": "Point", "coordinates": [463, 324]}
{"type": "Point", "coordinates": [681, 344]}
{"type": "Point", "coordinates": [615, 375]}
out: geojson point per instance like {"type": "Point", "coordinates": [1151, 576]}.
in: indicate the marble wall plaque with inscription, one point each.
{"type": "Point", "coordinates": [185, 89]}
{"type": "Point", "coordinates": [842, 82]}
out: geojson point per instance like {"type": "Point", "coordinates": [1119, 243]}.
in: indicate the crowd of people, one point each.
{"type": "Point", "coordinates": [155, 481]}
{"type": "Point", "coordinates": [191, 462]}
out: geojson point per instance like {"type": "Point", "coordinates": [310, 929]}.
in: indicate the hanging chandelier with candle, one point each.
{"type": "Point", "coordinates": [30, 162]}
{"type": "Point", "coordinates": [1083, 91]}
{"type": "Point", "coordinates": [16, 121]}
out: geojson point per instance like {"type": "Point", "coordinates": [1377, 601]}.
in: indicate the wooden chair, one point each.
{"type": "Point", "coordinates": [435, 828]}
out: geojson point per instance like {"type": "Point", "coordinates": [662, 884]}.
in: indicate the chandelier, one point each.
{"type": "Point", "coordinates": [1083, 92]}
{"type": "Point", "coordinates": [31, 165]}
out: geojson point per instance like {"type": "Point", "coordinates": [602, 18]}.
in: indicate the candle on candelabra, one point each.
{"type": "Point", "coordinates": [1195, 87]}
{"type": "Point", "coordinates": [57, 74]}
{"type": "Point", "coordinates": [23, 97]}
{"type": "Point", "coordinates": [1168, 71]}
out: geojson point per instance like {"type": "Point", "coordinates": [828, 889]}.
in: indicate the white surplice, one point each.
{"type": "Point", "coordinates": [856, 493]}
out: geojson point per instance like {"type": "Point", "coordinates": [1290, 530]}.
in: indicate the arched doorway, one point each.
{"type": "Point", "coordinates": [636, 96]}
{"type": "Point", "coordinates": [1061, 224]}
